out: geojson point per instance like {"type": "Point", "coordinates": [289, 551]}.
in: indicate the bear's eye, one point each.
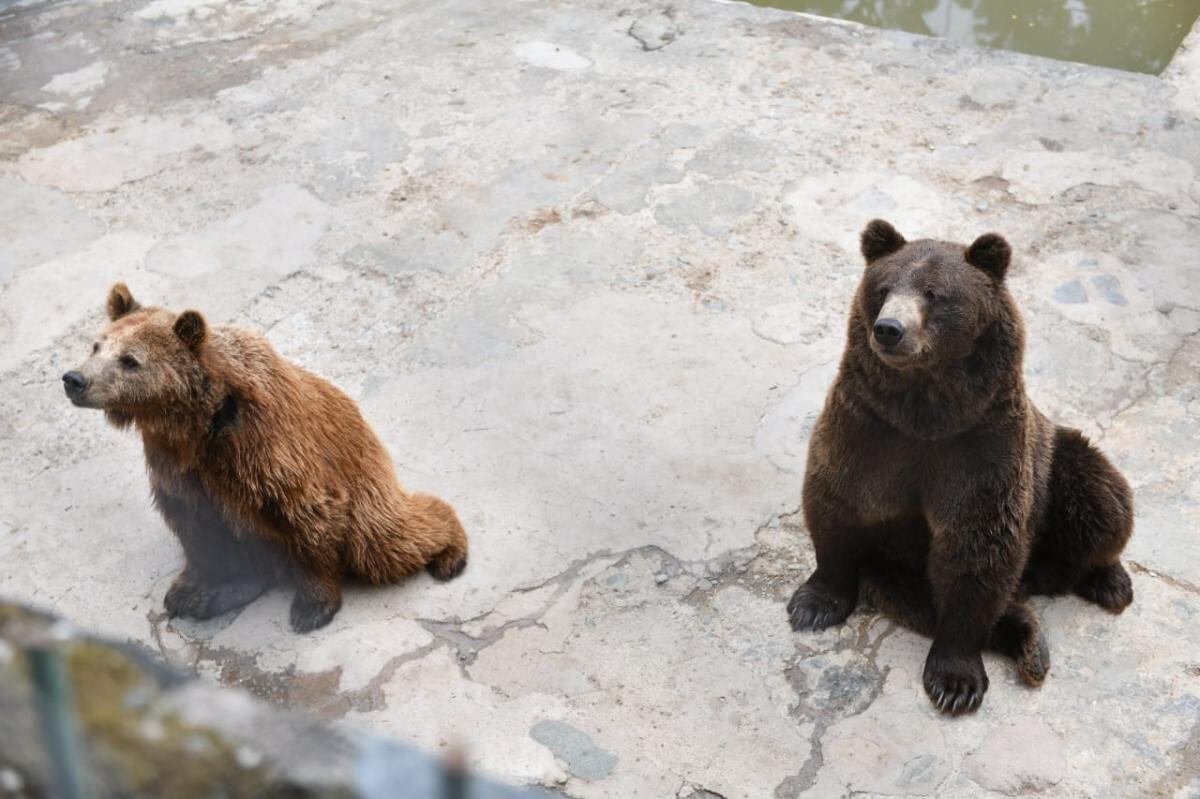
{"type": "Point", "coordinates": [883, 292]}
{"type": "Point", "coordinates": [129, 362]}
{"type": "Point", "coordinates": [95, 347]}
{"type": "Point", "coordinates": [931, 295]}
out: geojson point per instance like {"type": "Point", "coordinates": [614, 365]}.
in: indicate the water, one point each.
{"type": "Point", "coordinates": [1134, 35]}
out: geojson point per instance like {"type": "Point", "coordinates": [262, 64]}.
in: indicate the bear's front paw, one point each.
{"type": "Point", "coordinates": [1108, 586]}
{"type": "Point", "coordinates": [185, 598]}
{"type": "Point", "coordinates": [815, 607]}
{"type": "Point", "coordinates": [311, 613]}
{"type": "Point", "coordinates": [955, 683]}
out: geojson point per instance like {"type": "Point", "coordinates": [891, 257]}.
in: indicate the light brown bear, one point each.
{"type": "Point", "coordinates": [261, 469]}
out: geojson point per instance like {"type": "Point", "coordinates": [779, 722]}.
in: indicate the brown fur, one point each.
{"type": "Point", "coordinates": [932, 478]}
{"type": "Point", "coordinates": [262, 469]}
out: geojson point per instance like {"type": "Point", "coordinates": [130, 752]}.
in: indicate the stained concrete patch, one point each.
{"type": "Point", "coordinates": [1110, 289]}
{"type": "Point", "coordinates": [714, 209]}
{"type": "Point", "coordinates": [1024, 756]}
{"type": "Point", "coordinates": [1039, 177]}
{"type": "Point", "coordinates": [123, 150]}
{"type": "Point", "coordinates": [1106, 294]}
{"type": "Point", "coordinates": [242, 253]}
{"type": "Point", "coordinates": [550, 56]}
{"type": "Point", "coordinates": [81, 81]}
{"type": "Point", "coordinates": [37, 224]}
{"type": "Point", "coordinates": [1071, 293]}
{"type": "Point", "coordinates": [736, 152]}
{"type": "Point", "coordinates": [574, 747]}
{"type": "Point", "coordinates": [832, 207]}
{"type": "Point", "coordinates": [39, 304]}
{"type": "Point", "coordinates": [171, 24]}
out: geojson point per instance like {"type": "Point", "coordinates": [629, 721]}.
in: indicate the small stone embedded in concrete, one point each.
{"type": "Point", "coordinates": [575, 748]}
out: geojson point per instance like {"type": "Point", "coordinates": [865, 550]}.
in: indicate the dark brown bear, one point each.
{"type": "Point", "coordinates": [260, 468]}
{"type": "Point", "coordinates": [935, 481]}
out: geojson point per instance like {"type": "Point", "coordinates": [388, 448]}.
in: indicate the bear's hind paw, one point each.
{"type": "Point", "coordinates": [1108, 586]}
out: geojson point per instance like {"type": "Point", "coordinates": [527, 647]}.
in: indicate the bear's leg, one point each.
{"type": "Point", "coordinates": [446, 534]}
{"type": "Point", "coordinates": [1018, 635]}
{"type": "Point", "coordinates": [1088, 521]}
{"type": "Point", "coordinates": [221, 572]}
{"type": "Point", "coordinates": [905, 595]}
{"type": "Point", "coordinates": [318, 596]}
{"type": "Point", "coordinates": [409, 533]}
{"type": "Point", "coordinates": [830, 594]}
{"type": "Point", "coordinates": [976, 555]}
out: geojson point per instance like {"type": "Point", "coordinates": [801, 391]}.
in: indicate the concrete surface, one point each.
{"type": "Point", "coordinates": [586, 266]}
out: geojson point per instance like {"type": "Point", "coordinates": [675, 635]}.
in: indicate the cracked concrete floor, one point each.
{"type": "Point", "coordinates": [586, 265]}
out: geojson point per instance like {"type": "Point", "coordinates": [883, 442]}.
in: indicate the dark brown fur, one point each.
{"type": "Point", "coordinates": [260, 468]}
{"type": "Point", "coordinates": [934, 480]}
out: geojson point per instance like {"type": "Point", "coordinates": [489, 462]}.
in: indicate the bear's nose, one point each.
{"type": "Point", "coordinates": [74, 382]}
{"type": "Point", "coordinates": [888, 332]}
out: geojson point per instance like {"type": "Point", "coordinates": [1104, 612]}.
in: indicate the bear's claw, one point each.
{"type": "Point", "coordinates": [955, 684]}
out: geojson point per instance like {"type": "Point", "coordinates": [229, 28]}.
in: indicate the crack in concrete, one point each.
{"type": "Point", "coordinates": [649, 41]}
{"type": "Point", "coordinates": [1174, 582]}
{"type": "Point", "coordinates": [468, 647]}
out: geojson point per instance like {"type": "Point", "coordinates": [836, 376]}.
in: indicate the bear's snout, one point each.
{"type": "Point", "coordinates": [889, 332]}
{"type": "Point", "coordinates": [74, 384]}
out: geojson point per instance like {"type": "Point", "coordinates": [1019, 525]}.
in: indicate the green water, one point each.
{"type": "Point", "coordinates": [1135, 35]}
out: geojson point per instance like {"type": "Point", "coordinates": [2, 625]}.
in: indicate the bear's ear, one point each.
{"type": "Point", "coordinates": [878, 239]}
{"type": "Point", "coordinates": [121, 301]}
{"type": "Point", "coordinates": [191, 329]}
{"type": "Point", "coordinates": [991, 253]}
